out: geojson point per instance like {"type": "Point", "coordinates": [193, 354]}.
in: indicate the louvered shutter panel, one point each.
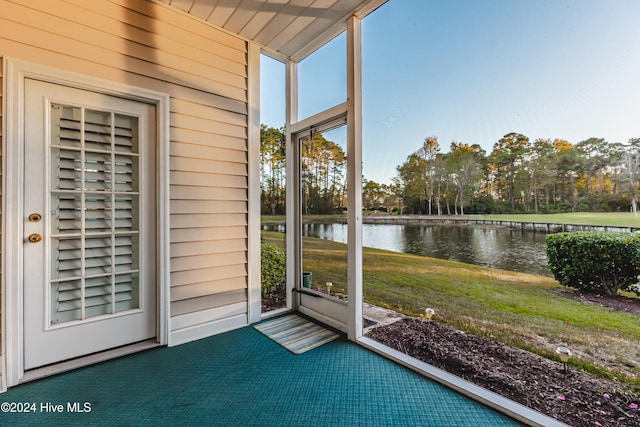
{"type": "Point", "coordinates": [94, 213]}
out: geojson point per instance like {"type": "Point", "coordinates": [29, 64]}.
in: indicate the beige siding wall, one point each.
{"type": "Point", "coordinates": [205, 73]}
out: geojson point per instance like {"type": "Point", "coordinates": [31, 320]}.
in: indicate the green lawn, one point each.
{"type": "Point", "coordinates": [514, 308]}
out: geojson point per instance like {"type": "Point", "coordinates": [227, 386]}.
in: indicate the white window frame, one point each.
{"type": "Point", "coordinates": [15, 73]}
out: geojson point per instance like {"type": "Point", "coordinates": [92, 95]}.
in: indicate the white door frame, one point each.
{"type": "Point", "coordinates": [352, 109]}
{"type": "Point", "coordinates": [328, 310]}
{"type": "Point", "coordinates": [15, 73]}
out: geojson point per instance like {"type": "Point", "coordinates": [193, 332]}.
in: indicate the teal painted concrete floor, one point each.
{"type": "Point", "coordinates": [241, 378]}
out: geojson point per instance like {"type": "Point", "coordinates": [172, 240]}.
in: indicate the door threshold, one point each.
{"type": "Point", "coordinates": [80, 362]}
{"type": "Point", "coordinates": [275, 313]}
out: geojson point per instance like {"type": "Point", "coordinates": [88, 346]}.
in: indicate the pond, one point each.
{"type": "Point", "coordinates": [496, 247]}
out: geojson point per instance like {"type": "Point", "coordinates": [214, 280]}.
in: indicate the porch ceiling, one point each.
{"type": "Point", "coordinates": [293, 28]}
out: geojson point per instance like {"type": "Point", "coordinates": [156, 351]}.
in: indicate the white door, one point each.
{"type": "Point", "coordinates": [320, 304]}
{"type": "Point", "coordinates": [89, 281]}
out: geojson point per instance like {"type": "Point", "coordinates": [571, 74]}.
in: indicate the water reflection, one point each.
{"type": "Point", "coordinates": [504, 248]}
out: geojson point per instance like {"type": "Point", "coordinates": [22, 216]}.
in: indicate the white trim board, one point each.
{"type": "Point", "coordinates": [254, 292]}
{"type": "Point", "coordinates": [15, 73]}
{"type": "Point", "coordinates": [354, 178]}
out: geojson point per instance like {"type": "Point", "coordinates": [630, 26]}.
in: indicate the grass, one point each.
{"type": "Point", "coordinates": [513, 308]}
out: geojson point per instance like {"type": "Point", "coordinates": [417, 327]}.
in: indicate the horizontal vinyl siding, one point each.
{"type": "Point", "coordinates": [209, 275]}
{"type": "Point", "coordinates": [204, 71]}
{"type": "Point", "coordinates": [208, 302]}
{"type": "Point", "coordinates": [61, 26]}
{"type": "Point", "coordinates": [181, 293]}
{"type": "Point", "coordinates": [199, 235]}
{"type": "Point", "coordinates": [191, 164]}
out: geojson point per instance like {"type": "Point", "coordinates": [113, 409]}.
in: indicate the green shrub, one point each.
{"type": "Point", "coordinates": [596, 262]}
{"type": "Point", "coordinates": [273, 266]}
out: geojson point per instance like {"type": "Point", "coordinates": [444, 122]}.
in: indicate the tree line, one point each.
{"type": "Point", "coordinates": [518, 175]}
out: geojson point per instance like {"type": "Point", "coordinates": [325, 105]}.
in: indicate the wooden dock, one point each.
{"type": "Point", "coordinates": [542, 227]}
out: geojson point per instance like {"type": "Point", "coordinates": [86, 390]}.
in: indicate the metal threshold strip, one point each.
{"type": "Point", "coordinates": [80, 362]}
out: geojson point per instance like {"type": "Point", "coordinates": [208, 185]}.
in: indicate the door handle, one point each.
{"type": "Point", "coordinates": [35, 238]}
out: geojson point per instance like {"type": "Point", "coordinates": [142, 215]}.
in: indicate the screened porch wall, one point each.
{"type": "Point", "coordinates": [204, 71]}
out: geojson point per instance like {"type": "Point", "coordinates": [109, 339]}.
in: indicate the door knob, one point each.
{"type": "Point", "coordinates": [35, 238]}
{"type": "Point", "coordinates": [35, 217]}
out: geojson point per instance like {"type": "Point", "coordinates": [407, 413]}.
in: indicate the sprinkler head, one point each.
{"type": "Point", "coordinates": [428, 313]}
{"type": "Point", "coordinates": [564, 354]}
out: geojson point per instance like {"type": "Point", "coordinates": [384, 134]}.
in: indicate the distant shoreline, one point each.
{"type": "Point", "coordinates": [614, 221]}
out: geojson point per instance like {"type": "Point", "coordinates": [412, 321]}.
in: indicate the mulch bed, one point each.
{"type": "Point", "coordinates": [616, 302]}
{"type": "Point", "coordinates": [277, 299]}
{"type": "Point", "coordinates": [573, 397]}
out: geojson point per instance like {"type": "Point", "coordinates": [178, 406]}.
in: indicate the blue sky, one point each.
{"type": "Point", "coordinates": [472, 71]}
